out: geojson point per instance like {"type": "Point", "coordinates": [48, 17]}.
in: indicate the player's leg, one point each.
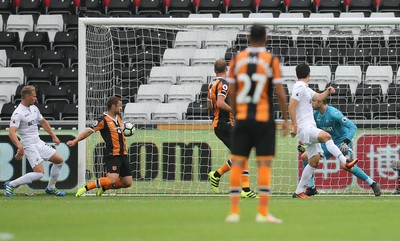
{"type": "Point", "coordinates": [325, 137]}
{"type": "Point", "coordinates": [49, 153]}
{"type": "Point", "coordinates": [223, 131]}
{"type": "Point", "coordinates": [311, 189]}
{"type": "Point", "coordinates": [246, 191]}
{"type": "Point", "coordinates": [123, 180]}
{"type": "Point", "coordinates": [34, 159]}
{"type": "Point", "coordinates": [313, 151]}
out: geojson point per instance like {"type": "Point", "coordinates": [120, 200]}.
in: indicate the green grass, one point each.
{"type": "Point", "coordinates": [196, 218]}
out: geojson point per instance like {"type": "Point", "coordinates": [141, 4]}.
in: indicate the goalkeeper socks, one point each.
{"type": "Point", "coordinates": [234, 185]}
{"type": "Point", "coordinates": [54, 174]}
{"type": "Point", "coordinates": [103, 181]}
{"type": "Point", "coordinates": [334, 150]}
{"type": "Point", "coordinates": [359, 173]}
{"type": "Point", "coordinates": [27, 178]}
{"type": "Point", "coordinates": [224, 168]}
{"type": "Point", "coordinates": [308, 171]}
{"type": "Point", "coordinates": [264, 188]}
{"type": "Point", "coordinates": [311, 183]}
{"type": "Point", "coordinates": [245, 177]}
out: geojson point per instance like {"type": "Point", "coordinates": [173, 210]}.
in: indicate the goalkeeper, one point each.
{"type": "Point", "coordinates": [342, 130]}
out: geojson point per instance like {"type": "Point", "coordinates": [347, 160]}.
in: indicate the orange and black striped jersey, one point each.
{"type": "Point", "coordinates": [111, 131]}
{"type": "Point", "coordinates": [254, 71]}
{"type": "Point", "coordinates": [220, 87]}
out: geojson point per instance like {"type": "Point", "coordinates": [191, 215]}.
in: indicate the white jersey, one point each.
{"type": "Point", "coordinates": [304, 110]}
{"type": "Point", "coordinates": [26, 119]}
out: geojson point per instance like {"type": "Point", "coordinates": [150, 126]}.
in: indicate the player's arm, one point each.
{"type": "Point", "coordinates": [46, 126]}
{"type": "Point", "coordinates": [12, 133]}
{"type": "Point", "coordinates": [209, 96]}
{"type": "Point", "coordinates": [85, 134]}
{"type": "Point", "coordinates": [292, 112]}
{"type": "Point", "coordinates": [344, 121]}
{"type": "Point", "coordinates": [322, 96]}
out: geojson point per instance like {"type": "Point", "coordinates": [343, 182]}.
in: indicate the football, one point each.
{"type": "Point", "coordinates": [129, 129]}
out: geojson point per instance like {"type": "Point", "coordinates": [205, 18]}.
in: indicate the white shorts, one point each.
{"type": "Point", "coordinates": [309, 137]}
{"type": "Point", "coordinates": [36, 153]}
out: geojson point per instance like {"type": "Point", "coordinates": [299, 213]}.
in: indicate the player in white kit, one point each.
{"type": "Point", "coordinates": [25, 120]}
{"type": "Point", "coordinates": [302, 115]}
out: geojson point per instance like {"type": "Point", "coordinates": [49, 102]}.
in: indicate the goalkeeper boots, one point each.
{"type": "Point", "coordinates": [9, 189]}
{"type": "Point", "coordinates": [311, 191]}
{"type": "Point", "coordinates": [80, 191]}
{"type": "Point", "coordinates": [376, 188]}
{"type": "Point", "coordinates": [232, 218]}
{"type": "Point", "coordinates": [397, 191]}
{"type": "Point", "coordinates": [300, 195]}
{"type": "Point", "coordinates": [267, 219]}
{"type": "Point", "coordinates": [214, 182]}
{"type": "Point", "coordinates": [351, 163]}
{"type": "Point", "coordinates": [100, 191]}
{"type": "Point", "coordinates": [249, 194]}
{"type": "Point", "coordinates": [54, 192]}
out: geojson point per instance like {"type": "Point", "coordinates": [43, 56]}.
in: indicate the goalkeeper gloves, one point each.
{"type": "Point", "coordinates": [301, 148]}
{"type": "Point", "coordinates": [344, 148]}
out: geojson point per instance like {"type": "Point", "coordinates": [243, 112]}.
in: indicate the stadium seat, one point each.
{"type": "Point", "coordinates": [120, 7]}
{"type": "Point", "coordinates": [50, 24]}
{"type": "Point", "coordinates": [152, 93]}
{"type": "Point", "coordinates": [350, 75]}
{"type": "Point", "coordinates": [9, 41]}
{"type": "Point", "coordinates": [20, 24]}
{"type": "Point", "coordinates": [21, 58]}
{"type": "Point", "coordinates": [67, 76]}
{"type": "Point", "coordinates": [198, 111]}
{"type": "Point", "coordinates": [342, 94]}
{"type": "Point", "coordinates": [232, 29]}
{"type": "Point", "coordinates": [208, 6]}
{"type": "Point", "coordinates": [189, 39]}
{"type": "Point", "coordinates": [7, 7]}
{"type": "Point", "coordinates": [239, 6]}
{"type": "Point", "coordinates": [59, 7]}
{"type": "Point", "coordinates": [381, 75]}
{"type": "Point", "coordinates": [389, 56]}
{"type": "Point", "coordinates": [368, 94]}
{"type": "Point", "coordinates": [36, 41]}
{"type": "Point", "coordinates": [148, 7]}
{"type": "Point", "coordinates": [52, 58]}
{"type": "Point", "coordinates": [93, 7]}
{"type": "Point", "coordinates": [29, 7]}
{"type": "Point", "coordinates": [294, 29]}
{"type": "Point", "coordinates": [389, 6]}
{"type": "Point", "coordinates": [48, 111]}
{"type": "Point", "coordinates": [55, 94]}
{"type": "Point", "coordinates": [5, 94]}
{"type": "Point", "coordinates": [168, 111]}
{"type": "Point", "coordinates": [208, 56]}
{"type": "Point", "coordinates": [365, 6]}
{"type": "Point", "coordinates": [195, 74]}
{"type": "Point", "coordinates": [302, 6]}
{"type": "Point", "coordinates": [12, 75]}
{"type": "Point", "coordinates": [325, 29]}
{"type": "Point", "coordinates": [328, 56]}
{"type": "Point", "coordinates": [309, 39]}
{"type": "Point", "coordinates": [295, 56]}
{"type": "Point", "coordinates": [177, 56]}
{"type": "Point", "coordinates": [359, 56]}
{"type": "Point", "coordinates": [320, 75]}
{"type": "Point", "coordinates": [387, 29]}
{"type": "Point", "coordinates": [398, 76]}
{"type": "Point", "coordinates": [71, 56]}
{"type": "Point", "coordinates": [164, 75]}
{"type": "Point", "coordinates": [393, 95]}
{"type": "Point", "coordinates": [69, 112]}
{"type": "Point", "coordinates": [7, 110]}
{"type": "Point", "coordinates": [329, 6]}
{"type": "Point", "coordinates": [3, 58]}
{"type": "Point", "coordinates": [355, 29]}
{"type": "Point", "coordinates": [39, 77]}
{"type": "Point", "coordinates": [371, 39]}
{"type": "Point", "coordinates": [261, 15]}
{"type": "Point", "coordinates": [139, 111]}
{"type": "Point", "coordinates": [65, 40]}
{"type": "Point", "coordinates": [355, 111]}
{"type": "Point", "coordinates": [340, 39]}
{"type": "Point", "coordinates": [178, 93]}
{"type": "Point", "coordinates": [181, 7]}
{"type": "Point", "coordinates": [71, 23]}
{"type": "Point", "coordinates": [385, 111]}
{"type": "Point", "coordinates": [276, 7]}
{"type": "Point", "coordinates": [289, 77]}
{"type": "Point", "coordinates": [205, 27]}
{"type": "Point", "coordinates": [218, 40]}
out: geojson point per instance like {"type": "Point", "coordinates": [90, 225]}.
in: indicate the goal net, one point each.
{"type": "Point", "coordinates": [161, 68]}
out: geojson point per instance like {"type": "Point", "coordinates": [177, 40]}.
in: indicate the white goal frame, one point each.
{"type": "Point", "coordinates": [84, 22]}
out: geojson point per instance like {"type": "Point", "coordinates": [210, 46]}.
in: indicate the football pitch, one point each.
{"type": "Point", "coordinates": [195, 218]}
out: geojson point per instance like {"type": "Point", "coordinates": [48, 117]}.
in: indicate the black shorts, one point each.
{"type": "Point", "coordinates": [249, 134]}
{"type": "Point", "coordinates": [224, 131]}
{"type": "Point", "coordinates": [118, 164]}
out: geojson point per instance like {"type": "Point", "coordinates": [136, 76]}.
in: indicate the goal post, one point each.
{"type": "Point", "coordinates": [173, 155]}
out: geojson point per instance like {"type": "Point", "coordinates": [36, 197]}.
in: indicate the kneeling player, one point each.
{"type": "Point", "coordinates": [342, 130]}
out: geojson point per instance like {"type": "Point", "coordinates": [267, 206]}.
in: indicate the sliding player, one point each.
{"type": "Point", "coordinates": [342, 130]}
